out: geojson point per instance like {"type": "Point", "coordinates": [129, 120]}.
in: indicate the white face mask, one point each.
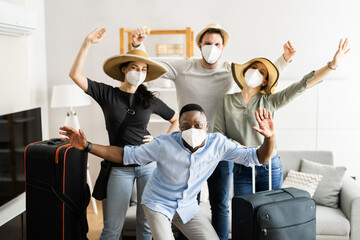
{"type": "Point", "coordinates": [194, 137]}
{"type": "Point", "coordinates": [135, 78]}
{"type": "Point", "coordinates": [211, 53]}
{"type": "Point", "coordinates": [253, 78]}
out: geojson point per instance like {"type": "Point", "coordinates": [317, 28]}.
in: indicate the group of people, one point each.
{"type": "Point", "coordinates": [218, 133]}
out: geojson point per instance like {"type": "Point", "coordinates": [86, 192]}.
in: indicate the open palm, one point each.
{"type": "Point", "coordinates": [96, 35]}
{"type": "Point", "coordinates": [266, 124]}
{"type": "Point", "coordinates": [76, 138]}
{"type": "Point", "coordinates": [341, 52]}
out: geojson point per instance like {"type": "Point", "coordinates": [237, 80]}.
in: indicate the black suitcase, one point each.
{"type": "Point", "coordinates": [283, 214]}
{"type": "Point", "coordinates": [56, 191]}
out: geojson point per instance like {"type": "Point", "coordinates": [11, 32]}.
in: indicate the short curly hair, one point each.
{"type": "Point", "coordinates": [191, 107]}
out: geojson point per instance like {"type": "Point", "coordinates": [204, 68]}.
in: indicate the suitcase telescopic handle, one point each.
{"type": "Point", "coordinates": [253, 176]}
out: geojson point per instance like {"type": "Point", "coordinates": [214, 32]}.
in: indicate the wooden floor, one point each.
{"type": "Point", "coordinates": [95, 221]}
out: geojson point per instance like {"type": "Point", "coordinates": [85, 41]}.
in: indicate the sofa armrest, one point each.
{"type": "Point", "coordinates": [350, 205]}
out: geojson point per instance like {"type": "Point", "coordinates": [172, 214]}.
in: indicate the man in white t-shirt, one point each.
{"type": "Point", "coordinates": [204, 81]}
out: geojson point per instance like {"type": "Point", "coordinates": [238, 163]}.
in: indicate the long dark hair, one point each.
{"type": "Point", "coordinates": [142, 94]}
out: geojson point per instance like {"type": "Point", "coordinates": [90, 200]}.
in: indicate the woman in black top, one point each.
{"type": "Point", "coordinates": [133, 100]}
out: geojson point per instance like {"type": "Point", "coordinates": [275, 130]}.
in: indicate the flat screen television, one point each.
{"type": "Point", "coordinates": [17, 130]}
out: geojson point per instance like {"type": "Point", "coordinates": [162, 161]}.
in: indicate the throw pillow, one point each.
{"type": "Point", "coordinates": [304, 181]}
{"type": "Point", "coordinates": [327, 192]}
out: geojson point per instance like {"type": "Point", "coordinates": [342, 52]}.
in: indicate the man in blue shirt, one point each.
{"type": "Point", "coordinates": [185, 160]}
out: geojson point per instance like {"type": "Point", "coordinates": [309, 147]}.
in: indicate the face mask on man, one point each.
{"type": "Point", "coordinates": [211, 53]}
{"type": "Point", "coordinates": [135, 78]}
{"type": "Point", "coordinates": [253, 78]}
{"type": "Point", "coordinates": [193, 136]}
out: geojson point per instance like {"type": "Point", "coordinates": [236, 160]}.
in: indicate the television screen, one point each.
{"type": "Point", "coordinates": [17, 130]}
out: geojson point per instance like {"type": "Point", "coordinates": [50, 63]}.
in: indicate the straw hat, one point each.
{"type": "Point", "coordinates": [213, 26]}
{"type": "Point", "coordinates": [273, 74]}
{"type": "Point", "coordinates": [112, 65]}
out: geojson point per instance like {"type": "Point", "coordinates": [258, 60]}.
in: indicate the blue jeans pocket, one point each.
{"type": "Point", "coordinates": [277, 172]}
{"type": "Point", "coordinates": [273, 168]}
{"type": "Point", "coordinates": [276, 165]}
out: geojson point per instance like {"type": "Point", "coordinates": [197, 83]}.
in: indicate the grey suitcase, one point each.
{"type": "Point", "coordinates": [282, 214]}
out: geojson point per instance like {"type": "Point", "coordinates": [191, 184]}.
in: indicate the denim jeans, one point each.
{"type": "Point", "coordinates": [219, 188]}
{"type": "Point", "coordinates": [119, 190]}
{"type": "Point", "coordinates": [243, 177]}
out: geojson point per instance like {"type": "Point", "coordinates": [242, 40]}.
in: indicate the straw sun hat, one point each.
{"type": "Point", "coordinates": [214, 26]}
{"type": "Point", "coordinates": [273, 74]}
{"type": "Point", "coordinates": [112, 65]}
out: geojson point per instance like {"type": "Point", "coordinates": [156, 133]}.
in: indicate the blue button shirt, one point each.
{"type": "Point", "coordinates": [180, 174]}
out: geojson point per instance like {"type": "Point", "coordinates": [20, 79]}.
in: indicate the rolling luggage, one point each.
{"type": "Point", "coordinates": [283, 214]}
{"type": "Point", "coordinates": [56, 191]}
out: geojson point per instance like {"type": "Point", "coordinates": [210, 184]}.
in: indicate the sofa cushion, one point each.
{"type": "Point", "coordinates": [292, 159]}
{"type": "Point", "coordinates": [331, 221]}
{"type": "Point", "coordinates": [327, 192]}
{"type": "Point", "coordinates": [304, 181]}
{"type": "Point", "coordinates": [331, 237]}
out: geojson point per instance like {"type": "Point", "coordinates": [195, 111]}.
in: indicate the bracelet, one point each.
{"type": "Point", "coordinates": [135, 46]}
{"type": "Point", "coordinates": [88, 147]}
{"type": "Point", "coordinates": [329, 66]}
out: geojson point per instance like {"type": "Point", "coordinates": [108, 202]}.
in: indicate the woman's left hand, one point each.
{"type": "Point", "coordinates": [266, 124]}
{"type": "Point", "coordinates": [147, 138]}
{"type": "Point", "coordinates": [340, 53]}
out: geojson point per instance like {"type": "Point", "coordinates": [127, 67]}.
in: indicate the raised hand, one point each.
{"type": "Point", "coordinates": [290, 49]}
{"type": "Point", "coordinates": [138, 36]}
{"type": "Point", "coordinates": [340, 53]}
{"type": "Point", "coordinates": [96, 35]}
{"type": "Point", "coordinates": [75, 138]}
{"type": "Point", "coordinates": [266, 124]}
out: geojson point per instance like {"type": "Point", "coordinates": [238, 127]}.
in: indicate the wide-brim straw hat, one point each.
{"type": "Point", "coordinates": [273, 74]}
{"type": "Point", "coordinates": [112, 65]}
{"type": "Point", "coordinates": [214, 26]}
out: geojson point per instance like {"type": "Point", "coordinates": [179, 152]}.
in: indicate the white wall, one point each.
{"type": "Point", "coordinates": [23, 68]}
{"type": "Point", "coordinates": [323, 118]}
{"type": "Point", "coordinates": [23, 81]}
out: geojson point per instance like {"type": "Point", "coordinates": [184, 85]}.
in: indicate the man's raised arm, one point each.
{"type": "Point", "coordinates": [78, 140]}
